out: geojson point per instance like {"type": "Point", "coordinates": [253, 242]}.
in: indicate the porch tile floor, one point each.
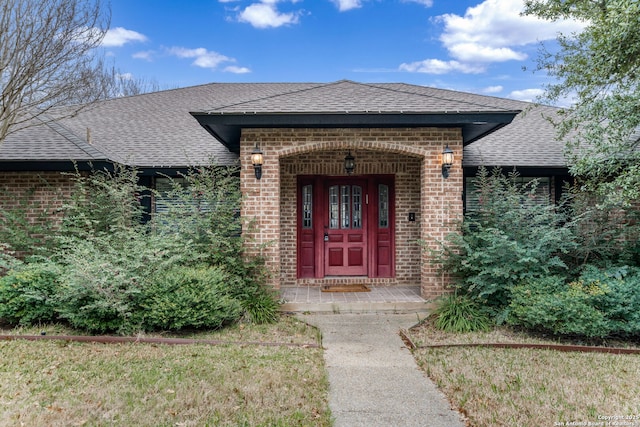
{"type": "Point", "coordinates": [394, 299]}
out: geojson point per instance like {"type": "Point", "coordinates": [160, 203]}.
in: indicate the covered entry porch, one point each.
{"type": "Point", "coordinates": [322, 226]}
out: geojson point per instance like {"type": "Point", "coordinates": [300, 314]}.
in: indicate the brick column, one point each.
{"type": "Point", "coordinates": [261, 206]}
{"type": "Point", "coordinates": [441, 209]}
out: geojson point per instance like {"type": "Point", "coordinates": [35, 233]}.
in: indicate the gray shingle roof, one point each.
{"type": "Point", "coordinates": [44, 140]}
{"type": "Point", "coordinates": [528, 141]}
{"type": "Point", "coordinates": [352, 97]}
{"type": "Point", "coordinates": [156, 129]}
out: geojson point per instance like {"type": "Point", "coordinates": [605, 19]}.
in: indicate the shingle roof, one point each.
{"type": "Point", "coordinates": [528, 141]}
{"type": "Point", "coordinates": [44, 140]}
{"type": "Point", "coordinates": [352, 97]}
{"type": "Point", "coordinates": [156, 129]}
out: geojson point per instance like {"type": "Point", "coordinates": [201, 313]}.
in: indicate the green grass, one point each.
{"type": "Point", "coordinates": [57, 383]}
{"type": "Point", "coordinates": [508, 387]}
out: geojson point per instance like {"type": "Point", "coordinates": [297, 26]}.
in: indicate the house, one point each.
{"type": "Point", "coordinates": [323, 223]}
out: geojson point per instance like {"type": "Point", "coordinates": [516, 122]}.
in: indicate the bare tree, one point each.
{"type": "Point", "coordinates": [48, 59]}
{"type": "Point", "coordinates": [124, 84]}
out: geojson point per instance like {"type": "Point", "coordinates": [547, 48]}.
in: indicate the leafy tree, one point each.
{"type": "Point", "coordinates": [600, 68]}
{"type": "Point", "coordinates": [48, 59]}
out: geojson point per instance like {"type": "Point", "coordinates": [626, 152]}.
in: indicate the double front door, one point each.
{"type": "Point", "coordinates": [345, 226]}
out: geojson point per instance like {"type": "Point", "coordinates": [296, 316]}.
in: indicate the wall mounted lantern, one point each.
{"type": "Point", "coordinates": [349, 163]}
{"type": "Point", "coordinates": [256, 161]}
{"type": "Point", "coordinates": [447, 161]}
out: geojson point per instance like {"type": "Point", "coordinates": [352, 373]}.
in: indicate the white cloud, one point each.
{"type": "Point", "coordinates": [204, 58]}
{"type": "Point", "coordinates": [437, 66]}
{"type": "Point", "coordinates": [492, 31]}
{"type": "Point", "coordinates": [120, 36]}
{"type": "Point", "coordinates": [497, 25]}
{"type": "Point", "coordinates": [426, 3]}
{"type": "Point", "coordinates": [147, 55]}
{"type": "Point", "coordinates": [473, 52]}
{"type": "Point", "coordinates": [265, 15]}
{"type": "Point", "coordinates": [493, 89]}
{"type": "Point", "coordinates": [237, 70]}
{"type": "Point", "coordinates": [528, 95]}
{"type": "Point", "coordinates": [344, 5]}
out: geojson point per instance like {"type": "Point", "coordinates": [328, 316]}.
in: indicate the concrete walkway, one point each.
{"type": "Point", "coordinates": [374, 380]}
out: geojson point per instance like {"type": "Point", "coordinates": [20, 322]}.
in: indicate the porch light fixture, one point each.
{"type": "Point", "coordinates": [256, 161]}
{"type": "Point", "coordinates": [349, 163]}
{"type": "Point", "coordinates": [447, 161]}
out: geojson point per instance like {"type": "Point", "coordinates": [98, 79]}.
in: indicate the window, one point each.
{"type": "Point", "coordinates": [307, 206]}
{"type": "Point", "coordinates": [543, 191]}
{"type": "Point", "coordinates": [383, 206]}
{"type": "Point", "coordinates": [167, 196]}
{"type": "Point", "coordinates": [345, 206]}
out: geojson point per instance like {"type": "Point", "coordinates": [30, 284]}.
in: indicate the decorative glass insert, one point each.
{"type": "Point", "coordinates": [357, 206]}
{"type": "Point", "coordinates": [345, 206]}
{"type": "Point", "coordinates": [334, 207]}
{"type": "Point", "coordinates": [307, 206]}
{"type": "Point", "coordinates": [383, 206]}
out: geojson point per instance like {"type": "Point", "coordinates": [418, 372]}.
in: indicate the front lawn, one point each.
{"type": "Point", "coordinates": [526, 387]}
{"type": "Point", "coordinates": [58, 383]}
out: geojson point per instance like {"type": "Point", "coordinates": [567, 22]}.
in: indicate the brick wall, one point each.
{"type": "Point", "coordinates": [35, 191]}
{"type": "Point", "coordinates": [413, 156]}
{"type": "Point", "coordinates": [39, 196]}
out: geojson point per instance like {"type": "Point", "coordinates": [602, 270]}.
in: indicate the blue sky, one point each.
{"type": "Point", "coordinates": [467, 45]}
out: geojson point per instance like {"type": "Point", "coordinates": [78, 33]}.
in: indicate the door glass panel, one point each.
{"type": "Point", "coordinates": [357, 206]}
{"type": "Point", "coordinates": [345, 206]}
{"type": "Point", "coordinates": [383, 206]}
{"type": "Point", "coordinates": [334, 207]}
{"type": "Point", "coordinates": [307, 206]}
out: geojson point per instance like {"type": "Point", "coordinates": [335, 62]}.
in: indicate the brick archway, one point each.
{"type": "Point", "coordinates": [413, 155]}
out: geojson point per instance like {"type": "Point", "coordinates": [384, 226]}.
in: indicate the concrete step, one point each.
{"type": "Point", "coordinates": [358, 307]}
{"type": "Point", "coordinates": [380, 299]}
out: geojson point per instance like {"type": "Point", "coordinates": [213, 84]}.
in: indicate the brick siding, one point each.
{"type": "Point", "coordinates": [39, 196]}
{"type": "Point", "coordinates": [36, 192]}
{"type": "Point", "coordinates": [412, 155]}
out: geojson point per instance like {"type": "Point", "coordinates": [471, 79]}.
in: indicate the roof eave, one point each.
{"type": "Point", "coordinates": [226, 127]}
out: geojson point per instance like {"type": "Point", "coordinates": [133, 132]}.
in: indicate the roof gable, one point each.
{"type": "Point", "coordinates": [350, 97]}
{"type": "Point", "coordinates": [349, 104]}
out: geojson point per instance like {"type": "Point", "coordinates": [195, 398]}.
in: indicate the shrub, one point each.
{"type": "Point", "coordinates": [188, 297]}
{"type": "Point", "coordinates": [205, 212]}
{"type": "Point", "coordinates": [114, 266]}
{"type": "Point", "coordinates": [27, 294]}
{"type": "Point", "coordinates": [620, 301]}
{"type": "Point", "coordinates": [104, 277]}
{"type": "Point", "coordinates": [551, 305]}
{"type": "Point", "coordinates": [460, 313]}
{"type": "Point", "coordinates": [607, 235]}
{"type": "Point", "coordinates": [510, 239]}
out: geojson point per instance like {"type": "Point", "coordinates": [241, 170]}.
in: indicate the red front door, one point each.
{"type": "Point", "coordinates": [345, 226]}
{"type": "Point", "coordinates": [345, 230]}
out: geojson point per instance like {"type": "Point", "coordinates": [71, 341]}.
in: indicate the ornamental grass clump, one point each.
{"type": "Point", "coordinates": [459, 313]}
